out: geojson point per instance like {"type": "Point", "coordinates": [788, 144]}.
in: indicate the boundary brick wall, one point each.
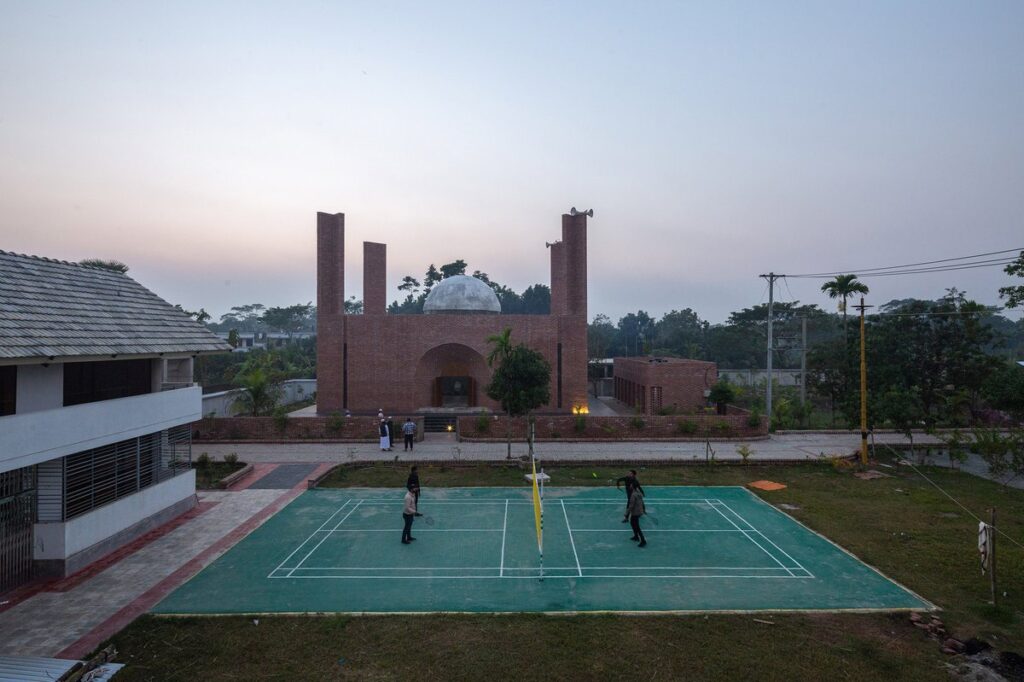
{"type": "Point", "coordinates": [680, 427]}
{"type": "Point", "coordinates": [295, 429]}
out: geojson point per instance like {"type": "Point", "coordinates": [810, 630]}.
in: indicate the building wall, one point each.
{"type": "Point", "coordinates": [674, 383]}
{"type": "Point", "coordinates": [393, 359]}
{"type": "Point", "coordinates": [27, 439]}
{"type": "Point", "coordinates": [40, 388]}
{"type": "Point", "coordinates": [379, 361]}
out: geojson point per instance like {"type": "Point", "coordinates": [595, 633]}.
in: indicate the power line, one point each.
{"type": "Point", "coordinates": [939, 268]}
{"type": "Point", "coordinates": [906, 265]}
{"type": "Point", "coordinates": [939, 488]}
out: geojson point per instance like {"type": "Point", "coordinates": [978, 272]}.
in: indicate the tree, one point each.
{"type": "Point", "coordinates": [353, 306]}
{"type": "Point", "coordinates": [457, 267]}
{"type": "Point", "coordinates": [409, 284]}
{"type": "Point", "coordinates": [722, 393]}
{"type": "Point", "coordinates": [600, 337]}
{"type": "Point", "coordinates": [233, 338]}
{"type": "Point", "coordinates": [112, 265]}
{"type": "Point", "coordinates": [502, 347]}
{"type": "Point", "coordinates": [288, 319]}
{"type": "Point", "coordinates": [261, 392]}
{"type": "Point", "coordinates": [200, 316]}
{"type": "Point", "coordinates": [844, 286]}
{"type": "Point", "coordinates": [521, 382]}
{"type": "Point", "coordinates": [1014, 295]}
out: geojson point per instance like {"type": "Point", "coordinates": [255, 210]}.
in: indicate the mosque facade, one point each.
{"type": "Point", "coordinates": [437, 361]}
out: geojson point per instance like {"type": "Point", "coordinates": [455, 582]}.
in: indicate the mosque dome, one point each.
{"type": "Point", "coordinates": [461, 295]}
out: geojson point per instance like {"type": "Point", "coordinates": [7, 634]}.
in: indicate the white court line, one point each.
{"type": "Point", "coordinates": [658, 530]}
{"type": "Point", "coordinates": [303, 543]}
{"type": "Point", "coordinates": [747, 535]}
{"type": "Point", "coordinates": [325, 538]}
{"type": "Point", "coordinates": [546, 568]}
{"type": "Point", "coordinates": [531, 577]}
{"type": "Point", "coordinates": [766, 538]}
{"type": "Point", "coordinates": [656, 501]}
{"type": "Point", "coordinates": [418, 530]}
{"type": "Point", "coordinates": [571, 541]}
{"type": "Point", "coordinates": [504, 527]}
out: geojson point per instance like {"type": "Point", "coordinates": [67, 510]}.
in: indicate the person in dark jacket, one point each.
{"type": "Point", "coordinates": [391, 433]}
{"type": "Point", "coordinates": [635, 510]}
{"type": "Point", "coordinates": [413, 483]}
{"type": "Point", "coordinates": [631, 482]}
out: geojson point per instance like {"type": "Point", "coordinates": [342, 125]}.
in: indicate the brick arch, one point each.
{"type": "Point", "coordinates": [451, 359]}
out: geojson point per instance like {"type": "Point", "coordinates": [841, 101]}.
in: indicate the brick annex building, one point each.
{"type": "Point", "coordinates": [410, 363]}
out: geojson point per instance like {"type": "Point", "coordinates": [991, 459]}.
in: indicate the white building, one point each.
{"type": "Point", "coordinates": [96, 398]}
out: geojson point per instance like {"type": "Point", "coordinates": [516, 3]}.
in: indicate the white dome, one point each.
{"type": "Point", "coordinates": [461, 294]}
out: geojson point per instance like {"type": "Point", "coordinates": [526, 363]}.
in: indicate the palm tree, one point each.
{"type": "Point", "coordinates": [500, 353]}
{"type": "Point", "coordinates": [502, 346]}
{"type": "Point", "coordinates": [844, 286]}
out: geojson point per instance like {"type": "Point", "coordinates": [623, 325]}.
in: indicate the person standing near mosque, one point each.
{"type": "Point", "coordinates": [385, 441]}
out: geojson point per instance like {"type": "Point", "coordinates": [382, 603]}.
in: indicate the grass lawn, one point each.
{"type": "Point", "coordinates": [901, 525]}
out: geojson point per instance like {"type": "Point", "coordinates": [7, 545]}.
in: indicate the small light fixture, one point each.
{"type": "Point", "coordinates": [450, 427]}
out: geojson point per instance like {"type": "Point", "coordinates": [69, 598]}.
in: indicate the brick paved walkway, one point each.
{"type": "Point", "coordinates": [70, 621]}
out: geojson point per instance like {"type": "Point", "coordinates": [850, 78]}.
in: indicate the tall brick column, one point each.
{"type": "Point", "coordinates": [330, 301]}
{"type": "Point", "coordinates": [574, 237]}
{"type": "Point", "coordinates": [375, 284]}
{"type": "Point", "coordinates": [558, 278]}
{"type": "Point", "coordinates": [330, 263]}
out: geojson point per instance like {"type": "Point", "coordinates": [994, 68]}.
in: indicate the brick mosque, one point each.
{"type": "Point", "coordinates": [418, 363]}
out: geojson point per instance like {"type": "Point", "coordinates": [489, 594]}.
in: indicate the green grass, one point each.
{"type": "Point", "coordinates": [526, 647]}
{"type": "Point", "coordinates": [208, 477]}
{"type": "Point", "coordinates": [902, 525]}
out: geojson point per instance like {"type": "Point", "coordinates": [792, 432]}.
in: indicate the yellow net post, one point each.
{"type": "Point", "coordinates": [538, 510]}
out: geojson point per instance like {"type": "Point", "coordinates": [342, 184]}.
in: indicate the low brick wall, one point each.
{"type": "Point", "coordinates": [269, 429]}
{"type": "Point", "coordinates": [689, 427]}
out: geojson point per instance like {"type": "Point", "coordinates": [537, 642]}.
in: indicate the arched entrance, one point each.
{"type": "Point", "coordinates": [451, 375]}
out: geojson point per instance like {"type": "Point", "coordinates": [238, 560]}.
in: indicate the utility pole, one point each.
{"type": "Point", "coordinates": [803, 364]}
{"type": "Point", "coordinates": [771, 277]}
{"type": "Point", "coordinates": [863, 388]}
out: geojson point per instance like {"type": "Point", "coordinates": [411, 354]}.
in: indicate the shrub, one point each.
{"type": "Point", "coordinates": [336, 422]}
{"type": "Point", "coordinates": [483, 424]}
{"type": "Point", "coordinates": [666, 411]}
{"type": "Point", "coordinates": [686, 427]}
{"type": "Point", "coordinates": [231, 458]}
{"type": "Point", "coordinates": [280, 419]}
{"type": "Point", "coordinates": [722, 428]}
{"type": "Point", "coordinates": [754, 419]}
{"type": "Point", "coordinates": [203, 461]}
{"type": "Point", "coordinates": [636, 423]}
{"type": "Point", "coordinates": [579, 424]}
{"type": "Point", "coordinates": [745, 452]}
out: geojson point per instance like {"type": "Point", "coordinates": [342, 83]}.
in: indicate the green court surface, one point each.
{"type": "Point", "coordinates": [709, 549]}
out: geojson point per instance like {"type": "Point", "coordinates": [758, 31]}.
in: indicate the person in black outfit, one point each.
{"type": "Point", "coordinates": [391, 433]}
{"type": "Point", "coordinates": [631, 482]}
{"type": "Point", "coordinates": [413, 484]}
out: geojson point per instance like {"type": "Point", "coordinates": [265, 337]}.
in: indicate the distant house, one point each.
{"type": "Point", "coordinates": [96, 398]}
{"type": "Point", "coordinates": [250, 340]}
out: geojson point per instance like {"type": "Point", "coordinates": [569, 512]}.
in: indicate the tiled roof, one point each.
{"type": "Point", "coordinates": [52, 308]}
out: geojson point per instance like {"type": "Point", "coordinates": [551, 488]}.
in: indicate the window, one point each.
{"type": "Point", "coordinates": [89, 382]}
{"type": "Point", "coordinates": [8, 390]}
{"type": "Point", "coordinates": [102, 475]}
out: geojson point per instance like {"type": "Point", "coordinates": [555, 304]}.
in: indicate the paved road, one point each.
{"type": "Point", "coordinates": [787, 447]}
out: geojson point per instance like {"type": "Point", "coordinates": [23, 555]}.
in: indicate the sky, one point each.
{"type": "Point", "coordinates": [715, 142]}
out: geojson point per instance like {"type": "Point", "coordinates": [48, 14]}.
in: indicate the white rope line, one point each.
{"type": "Point", "coordinates": [958, 503]}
